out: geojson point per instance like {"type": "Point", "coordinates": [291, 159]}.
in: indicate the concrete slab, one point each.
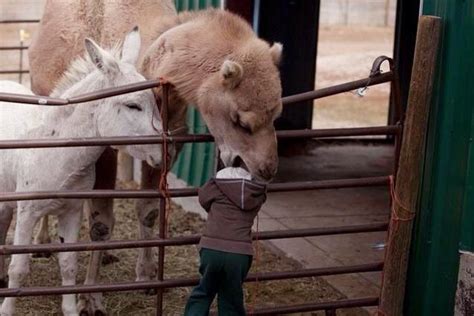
{"type": "Point", "coordinates": [330, 208]}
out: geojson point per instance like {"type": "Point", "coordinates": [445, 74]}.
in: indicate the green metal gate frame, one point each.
{"type": "Point", "coordinates": [195, 163]}
{"type": "Point", "coordinates": [446, 206]}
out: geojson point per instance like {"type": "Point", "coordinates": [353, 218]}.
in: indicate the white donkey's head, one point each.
{"type": "Point", "coordinates": [130, 114]}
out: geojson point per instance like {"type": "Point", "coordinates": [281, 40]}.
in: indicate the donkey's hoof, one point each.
{"type": "Point", "coordinates": [150, 291]}
{"type": "Point", "coordinates": [154, 291]}
{"type": "Point", "coordinates": [96, 313]}
{"type": "Point", "coordinates": [41, 255]}
{"type": "Point", "coordinates": [91, 305]}
{"type": "Point", "coordinates": [108, 258]}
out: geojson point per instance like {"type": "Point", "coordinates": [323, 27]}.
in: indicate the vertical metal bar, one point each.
{"type": "Point", "coordinates": [396, 95]}
{"type": "Point", "coordinates": [399, 116]}
{"type": "Point", "coordinates": [163, 201]}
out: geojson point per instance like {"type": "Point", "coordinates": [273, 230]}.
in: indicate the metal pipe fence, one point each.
{"type": "Point", "coordinates": [20, 21]}
{"type": "Point", "coordinates": [162, 241]}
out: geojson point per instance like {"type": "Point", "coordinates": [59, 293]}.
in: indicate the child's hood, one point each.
{"type": "Point", "coordinates": [246, 195]}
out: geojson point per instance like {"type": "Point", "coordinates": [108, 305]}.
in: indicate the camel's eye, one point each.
{"type": "Point", "coordinates": [133, 106]}
{"type": "Point", "coordinates": [245, 127]}
{"type": "Point", "coordinates": [235, 117]}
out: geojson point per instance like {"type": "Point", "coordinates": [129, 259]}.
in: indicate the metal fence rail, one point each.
{"type": "Point", "coordinates": [186, 192]}
{"type": "Point", "coordinates": [187, 240]}
{"type": "Point", "coordinates": [195, 138]}
{"type": "Point", "coordinates": [19, 21]}
{"type": "Point", "coordinates": [163, 241]}
{"type": "Point", "coordinates": [184, 282]}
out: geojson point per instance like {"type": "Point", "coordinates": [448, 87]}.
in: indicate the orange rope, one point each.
{"type": "Point", "coordinates": [163, 186]}
{"type": "Point", "coordinates": [395, 218]}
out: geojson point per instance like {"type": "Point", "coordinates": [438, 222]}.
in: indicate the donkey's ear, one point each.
{"type": "Point", "coordinates": [131, 46]}
{"type": "Point", "coordinates": [103, 60]}
{"type": "Point", "coordinates": [231, 73]}
{"type": "Point", "coordinates": [276, 52]}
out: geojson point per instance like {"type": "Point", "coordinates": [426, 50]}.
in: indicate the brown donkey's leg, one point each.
{"type": "Point", "coordinates": [101, 224]}
{"type": "Point", "coordinates": [147, 213]}
{"type": "Point", "coordinates": [42, 237]}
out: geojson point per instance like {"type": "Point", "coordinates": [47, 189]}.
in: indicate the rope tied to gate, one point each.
{"type": "Point", "coordinates": [395, 219]}
{"type": "Point", "coordinates": [163, 186]}
{"type": "Point", "coordinates": [397, 204]}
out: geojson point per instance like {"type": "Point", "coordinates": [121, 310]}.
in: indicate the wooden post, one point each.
{"type": "Point", "coordinates": [409, 172]}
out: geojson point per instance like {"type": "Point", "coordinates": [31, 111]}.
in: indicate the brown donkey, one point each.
{"type": "Point", "coordinates": [212, 58]}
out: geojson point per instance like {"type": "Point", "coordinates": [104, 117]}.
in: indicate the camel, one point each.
{"type": "Point", "coordinates": [69, 168]}
{"type": "Point", "coordinates": [213, 60]}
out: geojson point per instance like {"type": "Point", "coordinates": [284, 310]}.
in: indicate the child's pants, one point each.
{"type": "Point", "coordinates": [223, 274]}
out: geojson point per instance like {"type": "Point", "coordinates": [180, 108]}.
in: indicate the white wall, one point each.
{"type": "Point", "coordinates": [358, 12]}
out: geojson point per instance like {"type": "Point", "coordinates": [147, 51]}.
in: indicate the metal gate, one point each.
{"type": "Point", "coordinates": [162, 241]}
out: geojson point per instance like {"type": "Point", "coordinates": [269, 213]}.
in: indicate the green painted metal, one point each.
{"type": "Point", "coordinates": [446, 219]}
{"type": "Point", "coordinates": [196, 162]}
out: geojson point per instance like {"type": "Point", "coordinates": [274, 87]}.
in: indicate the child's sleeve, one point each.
{"type": "Point", "coordinates": [208, 194]}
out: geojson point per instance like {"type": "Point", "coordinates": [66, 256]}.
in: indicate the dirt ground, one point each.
{"type": "Point", "coordinates": [180, 262]}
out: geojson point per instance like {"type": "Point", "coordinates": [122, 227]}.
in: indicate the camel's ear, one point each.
{"type": "Point", "coordinates": [231, 73]}
{"type": "Point", "coordinates": [276, 52]}
{"type": "Point", "coordinates": [103, 60]}
{"type": "Point", "coordinates": [131, 46]}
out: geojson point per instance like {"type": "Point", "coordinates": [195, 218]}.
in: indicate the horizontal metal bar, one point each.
{"type": "Point", "coordinates": [345, 87]}
{"type": "Point", "coordinates": [13, 47]}
{"type": "Point", "coordinates": [100, 94]}
{"type": "Point", "coordinates": [184, 282]}
{"type": "Point", "coordinates": [305, 273]}
{"type": "Point", "coordinates": [308, 307]}
{"type": "Point", "coordinates": [188, 240]}
{"type": "Point", "coordinates": [19, 21]}
{"type": "Point", "coordinates": [12, 72]}
{"type": "Point", "coordinates": [196, 138]}
{"type": "Point", "coordinates": [151, 194]}
{"type": "Point", "coordinates": [43, 100]}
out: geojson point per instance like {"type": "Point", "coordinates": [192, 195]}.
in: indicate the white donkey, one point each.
{"type": "Point", "coordinates": [69, 168]}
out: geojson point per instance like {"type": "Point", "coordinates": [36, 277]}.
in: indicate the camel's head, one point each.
{"type": "Point", "coordinates": [239, 104]}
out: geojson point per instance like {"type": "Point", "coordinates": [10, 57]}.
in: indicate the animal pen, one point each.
{"type": "Point", "coordinates": [401, 215]}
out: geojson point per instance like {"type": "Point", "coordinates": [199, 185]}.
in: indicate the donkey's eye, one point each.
{"type": "Point", "coordinates": [133, 106]}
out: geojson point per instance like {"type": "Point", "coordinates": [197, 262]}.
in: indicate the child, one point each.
{"type": "Point", "coordinates": [232, 201]}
